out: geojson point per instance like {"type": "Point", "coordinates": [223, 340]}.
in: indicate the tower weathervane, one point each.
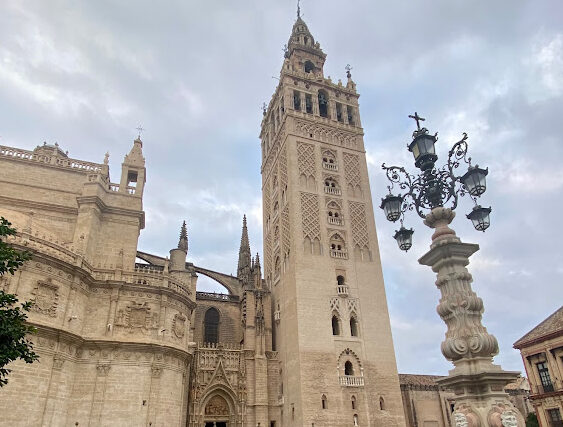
{"type": "Point", "coordinates": [348, 68]}
{"type": "Point", "coordinates": [417, 118]}
{"type": "Point", "coordinates": [140, 129]}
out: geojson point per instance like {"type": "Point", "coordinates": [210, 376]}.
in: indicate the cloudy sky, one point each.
{"type": "Point", "coordinates": [194, 74]}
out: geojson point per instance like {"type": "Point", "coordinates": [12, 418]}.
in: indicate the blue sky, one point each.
{"type": "Point", "coordinates": [194, 74]}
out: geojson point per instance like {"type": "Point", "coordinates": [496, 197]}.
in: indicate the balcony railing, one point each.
{"type": "Point", "coordinates": [351, 381]}
{"type": "Point", "coordinates": [342, 254]}
{"type": "Point", "coordinates": [335, 220]}
{"type": "Point", "coordinates": [333, 190]}
{"type": "Point", "coordinates": [541, 388]}
{"type": "Point", "coordinates": [330, 166]}
{"type": "Point", "coordinates": [277, 316]}
{"type": "Point", "coordinates": [342, 290]}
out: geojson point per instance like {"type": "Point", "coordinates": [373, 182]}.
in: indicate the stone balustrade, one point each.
{"type": "Point", "coordinates": [342, 254]}
{"type": "Point", "coordinates": [342, 290]}
{"type": "Point", "coordinates": [333, 190]}
{"type": "Point", "coordinates": [216, 296]}
{"type": "Point", "coordinates": [335, 220]}
{"type": "Point", "coordinates": [31, 156]}
{"type": "Point", "coordinates": [330, 166]}
{"type": "Point", "coordinates": [351, 381]}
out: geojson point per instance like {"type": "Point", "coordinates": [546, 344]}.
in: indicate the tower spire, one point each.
{"type": "Point", "coordinates": [244, 257]}
{"type": "Point", "coordinates": [298, 9]}
{"type": "Point", "coordinates": [183, 242]}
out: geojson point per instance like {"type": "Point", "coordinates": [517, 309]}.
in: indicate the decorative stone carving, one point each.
{"type": "Point", "coordinates": [335, 305]}
{"type": "Point", "coordinates": [156, 371]}
{"type": "Point", "coordinates": [460, 308]}
{"type": "Point", "coordinates": [358, 221]}
{"type": "Point", "coordinates": [45, 298]}
{"type": "Point", "coordinates": [306, 165]}
{"type": "Point", "coordinates": [217, 406]}
{"type": "Point", "coordinates": [460, 420]}
{"type": "Point", "coordinates": [310, 216]}
{"type": "Point", "coordinates": [4, 284]}
{"type": "Point", "coordinates": [508, 419]}
{"type": "Point", "coordinates": [327, 134]}
{"type": "Point", "coordinates": [136, 317]}
{"type": "Point", "coordinates": [103, 369]}
{"type": "Point", "coordinates": [58, 362]}
{"type": "Point", "coordinates": [352, 174]}
{"type": "Point", "coordinates": [286, 233]}
{"type": "Point", "coordinates": [179, 325]}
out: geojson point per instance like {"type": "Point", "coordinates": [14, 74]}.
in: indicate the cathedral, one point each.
{"type": "Point", "coordinates": [302, 338]}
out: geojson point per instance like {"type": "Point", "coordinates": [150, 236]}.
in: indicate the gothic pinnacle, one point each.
{"type": "Point", "coordinates": [257, 260]}
{"type": "Point", "coordinates": [183, 242]}
{"type": "Point", "coordinates": [244, 257]}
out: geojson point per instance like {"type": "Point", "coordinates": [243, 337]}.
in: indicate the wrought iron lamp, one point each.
{"type": "Point", "coordinates": [433, 187]}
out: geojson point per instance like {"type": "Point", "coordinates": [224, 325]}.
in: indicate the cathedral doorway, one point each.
{"type": "Point", "coordinates": [216, 412]}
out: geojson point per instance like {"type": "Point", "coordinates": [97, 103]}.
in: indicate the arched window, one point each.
{"type": "Point", "coordinates": [324, 404]}
{"type": "Point", "coordinates": [340, 280]}
{"type": "Point", "coordinates": [348, 368]}
{"type": "Point", "coordinates": [309, 67]}
{"type": "Point", "coordinates": [381, 403]}
{"type": "Point", "coordinates": [335, 325]}
{"type": "Point", "coordinates": [323, 103]}
{"type": "Point", "coordinates": [356, 420]}
{"type": "Point", "coordinates": [353, 327]}
{"type": "Point", "coordinates": [353, 402]}
{"type": "Point", "coordinates": [211, 326]}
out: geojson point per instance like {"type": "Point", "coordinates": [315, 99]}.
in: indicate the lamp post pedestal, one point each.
{"type": "Point", "coordinates": [478, 384]}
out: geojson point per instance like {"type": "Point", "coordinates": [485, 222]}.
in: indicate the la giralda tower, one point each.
{"type": "Point", "coordinates": [331, 323]}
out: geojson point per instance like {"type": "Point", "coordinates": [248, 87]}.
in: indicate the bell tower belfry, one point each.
{"type": "Point", "coordinates": [321, 257]}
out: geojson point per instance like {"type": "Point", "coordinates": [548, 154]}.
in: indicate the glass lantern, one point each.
{"type": "Point", "coordinates": [474, 180]}
{"type": "Point", "coordinates": [403, 237]}
{"type": "Point", "coordinates": [423, 150]}
{"type": "Point", "coordinates": [479, 216]}
{"type": "Point", "coordinates": [391, 205]}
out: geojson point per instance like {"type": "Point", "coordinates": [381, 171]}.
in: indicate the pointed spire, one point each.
{"type": "Point", "coordinates": [183, 242]}
{"type": "Point", "coordinates": [302, 39]}
{"type": "Point", "coordinates": [257, 261]}
{"type": "Point", "coordinates": [244, 257]}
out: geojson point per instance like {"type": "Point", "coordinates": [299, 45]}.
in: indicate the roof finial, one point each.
{"type": "Point", "coordinates": [183, 242]}
{"type": "Point", "coordinates": [140, 129]}
{"type": "Point", "coordinates": [298, 9]}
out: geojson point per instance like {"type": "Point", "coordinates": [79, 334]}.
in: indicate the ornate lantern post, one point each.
{"type": "Point", "coordinates": [434, 193]}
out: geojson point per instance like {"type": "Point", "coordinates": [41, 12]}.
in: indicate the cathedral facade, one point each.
{"type": "Point", "coordinates": [125, 338]}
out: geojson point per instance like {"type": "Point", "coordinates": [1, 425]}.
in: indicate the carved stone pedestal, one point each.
{"type": "Point", "coordinates": [477, 383]}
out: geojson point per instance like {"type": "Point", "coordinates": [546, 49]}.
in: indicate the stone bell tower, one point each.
{"type": "Point", "coordinates": [322, 264]}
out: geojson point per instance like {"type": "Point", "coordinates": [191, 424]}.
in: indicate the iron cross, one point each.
{"type": "Point", "coordinates": [417, 118]}
{"type": "Point", "coordinates": [140, 129]}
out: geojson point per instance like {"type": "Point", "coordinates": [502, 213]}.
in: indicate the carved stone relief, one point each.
{"type": "Point", "coordinates": [310, 215]}
{"type": "Point", "coordinates": [136, 317]}
{"type": "Point", "coordinates": [45, 298]}
{"type": "Point", "coordinates": [352, 174]}
{"type": "Point", "coordinates": [306, 165]}
{"type": "Point", "coordinates": [217, 406]}
{"type": "Point", "coordinates": [327, 134]}
{"type": "Point", "coordinates": [360, 235]}
{"type": "Point", "coordinates": [179, 325]}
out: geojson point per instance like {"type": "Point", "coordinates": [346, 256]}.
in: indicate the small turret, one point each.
{"type": "Point", "coordinates": [178, 255]}
{"type": "Point", "coordinates": [244, 257]}
{"type": "Point", "coordinates": [257, 272]}
{"type": "Point", "coordinates": [183, 242]}
{"type": "Point", "coordinates": [133, 172]}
